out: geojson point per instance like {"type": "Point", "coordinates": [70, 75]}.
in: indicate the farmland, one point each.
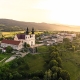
{"type": "Point", "coordinates": [12, 34]}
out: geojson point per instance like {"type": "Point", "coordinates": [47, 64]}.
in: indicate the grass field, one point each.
{"type": "Point", "coordinates": [5, 57]}
{"type": "Point", "coordinates": [35, 62]}
{"type": "Point", "coordinates": [71, 63]}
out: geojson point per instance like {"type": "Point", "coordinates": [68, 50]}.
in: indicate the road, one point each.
{"type": "Point", "coordinates": [10, 59]}
{"type": "Point", "coordinates": [14, 56]}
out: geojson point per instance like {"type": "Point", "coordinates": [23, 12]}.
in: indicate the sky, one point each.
{"type": "Point", "coordinates": [49, 11]}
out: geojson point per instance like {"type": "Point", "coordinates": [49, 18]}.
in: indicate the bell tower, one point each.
{"type": "Point", "coordinates": [32, 31]}
{"type": "Point", "coordinates": [27, 31]}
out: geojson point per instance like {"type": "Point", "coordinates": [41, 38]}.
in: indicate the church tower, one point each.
{"type": "Point", "coordinates": [30, 38]}
{"type": "Point", "coordinates": [32, 31]}
{"type": "Point", "coordinates": [27, 31]}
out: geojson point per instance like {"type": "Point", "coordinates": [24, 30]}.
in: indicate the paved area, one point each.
{"type": "Point", "coordinates": [23, 54]}
{"type": "Point", "coordinates": [38, 45]}
{"type": "Point", "coordinates": [16, 55]}
{"type": "Point", "coordinates": [10, 59]}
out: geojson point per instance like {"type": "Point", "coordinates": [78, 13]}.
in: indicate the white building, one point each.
{"type": "Point", "coordinates": [14, 44]}
{"type": "Point", "coordinates": [69, 37]}
{"type": "Point", "coordinates": [28, 38]}
{"type": "Point", "coordinates": [58, 38]}
{"type": "Point", "coordinates": [73, 35]}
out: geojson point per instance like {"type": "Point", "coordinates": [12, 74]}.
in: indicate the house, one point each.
{"type": "Point", "coordinates": [73, 35]}
{"type": "Point", "coordinates": [69, 37]}
{"type": "Point", "coordinates": [14, 44]}
{"type": "Point", "coordinates": [28, 38]}
{"type": "Point", "coordinates": [57, 38]}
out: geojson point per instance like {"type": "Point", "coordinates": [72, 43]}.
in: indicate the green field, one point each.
{"type": "Point", "coordinates": [4, 57]}
{"type": "Point", "coordinates": [70, 59]}
{"type": "Point", "coordinates": [35, 62]}
{"type": "Point", "coordinates": [71, 63]}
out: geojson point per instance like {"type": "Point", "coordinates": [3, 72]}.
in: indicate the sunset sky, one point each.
{"type": "Point", "coordinates": [49, 11]}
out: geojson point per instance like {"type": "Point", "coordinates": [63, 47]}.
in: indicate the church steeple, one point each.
{"type": "Point", "coordinates": [32, 31]}
{"type": "Point", "coordinates": [27, 31]}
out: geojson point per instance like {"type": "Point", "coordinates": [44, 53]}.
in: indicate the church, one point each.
{"type": "Point", "coordinates": [19, 40]}
{"type": "Point", "coordinates": [28, 38]}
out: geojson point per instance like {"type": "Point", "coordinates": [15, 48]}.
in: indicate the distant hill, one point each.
{"type": "Point", "coordinates": [13, 25]}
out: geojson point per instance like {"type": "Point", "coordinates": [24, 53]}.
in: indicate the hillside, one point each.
{"type": "Point", "coordinates": [13, 25]}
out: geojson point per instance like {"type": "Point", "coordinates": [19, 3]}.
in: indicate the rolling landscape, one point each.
{"type": "Point", "coordinates": [58, 62]}
{"type": "Point", "coordinates": [39, 40]}
{"type": "Point", "coordinates": [13, 25]}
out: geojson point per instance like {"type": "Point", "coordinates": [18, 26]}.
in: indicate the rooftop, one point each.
{"type": "Point", "coordinates": [10, 42]}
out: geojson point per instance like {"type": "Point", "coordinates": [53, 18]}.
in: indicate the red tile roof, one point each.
{"type": "Point", "coordinates": [21, 36]}
{"type": "Point", "coordinates": [10, 42]}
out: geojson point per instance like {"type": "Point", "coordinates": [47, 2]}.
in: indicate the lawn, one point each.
{"type": "Point", "coordinates": [35, 62]}
{"type": "Point", "coordinates": [71, 63]}
{"type": "Point", "coordinates": [2, 56]}
{"type": "Point", "coordinates": [43, 49]}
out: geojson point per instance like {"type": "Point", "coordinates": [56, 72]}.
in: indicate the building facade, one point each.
{"type": "Point", "coordinates": [28, 38]}
{"type": "Point", "coordinates": [14, 44]}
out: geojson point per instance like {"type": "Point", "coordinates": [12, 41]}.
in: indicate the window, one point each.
{"type": "Point", "coordinates": [31, 43]}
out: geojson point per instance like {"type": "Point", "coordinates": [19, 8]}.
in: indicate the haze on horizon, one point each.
{"type": "Point", "coordinates": [49, 11]}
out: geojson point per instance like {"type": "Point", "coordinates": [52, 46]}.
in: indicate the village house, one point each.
{"type": "Point", "coordinates": [68, 36]}
{"type": "Point", "coordinates": [57, 38]}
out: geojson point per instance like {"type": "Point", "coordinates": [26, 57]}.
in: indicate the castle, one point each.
{"type": "Point", "coordinates": [19, 40]}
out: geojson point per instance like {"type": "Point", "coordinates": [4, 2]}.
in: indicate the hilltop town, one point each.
{"type": "Point", "coordinates": [31, 49]}
{"type": "Point", "coordinates": [20, 41]}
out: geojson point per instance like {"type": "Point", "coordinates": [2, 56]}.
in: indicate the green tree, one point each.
{"type": "Point", "coordinates": [9, 49]}
{"type": "Point", "coordinates": [53, 63]}
{"type": "Point", "coordinates": [60, 78]}
{"type": "Point", "coordinates": [10, 76]}
{"type": "Point", "coordinates": [28, 45]}
{"type": "Point", "coordinates": [73, 47]}
{"type": "Point", "coordinates": [35, 78]}
{"type": "Point", "coordinates": [54, 69]}
{"type": "Point", "coordinates": [52, 49]}
{"type": "Point", "coordinates": [66, 40]}
{"type": "Point", "coordinates": [58, 59]}
{"type": "Point", "coordinates": [16, 75]}
{"type": "Point", "coordinates": [54, 76]}
{"type": "Point", "coordinates": [25, 45]}
{"type": "Point", "coordinates": [54, 55]}
{"type": "Point", "coordinates": [0, 50]}
{"type": "Point", "coordinates": [65, 75]}
{"type": "Point", "coordinates": [48, 75]}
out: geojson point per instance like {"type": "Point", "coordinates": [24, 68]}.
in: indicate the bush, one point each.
{"type": "Point", "coordinates": [35, 78]}
{"type": "Point", "coordinates": [9, 49]}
